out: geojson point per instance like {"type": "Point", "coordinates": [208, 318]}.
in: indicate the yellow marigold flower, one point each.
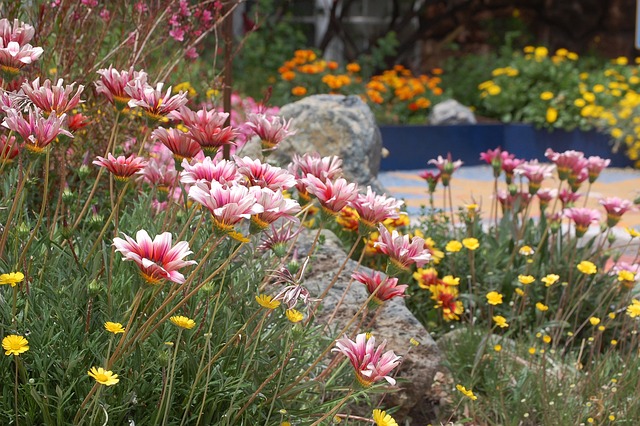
{"type": "Point", "coordinates": [621, 60]}
{"type": "Point", "coordinates": [383, 419]}
{"type": "Point", "coordinates": [471, 243]}
{"type": "Point", "coordinates": [519, 291]}
{"type": "Point", "coordinates": [540, 52]}
{"type": "Point", "coordinates": [633, 310]}
{"type": "Point", "coordinates": [626, 276]}
{"type": "Point", "coordinates": [103, 376]}
{"type": "Point", "coordinates": [497, 348]}
{"type": "Point", "coordinates": [466, 392]}
{"type": "Point", "coordinates": [299, 91]}
{"type": "Point", "coordinates": [494, 90]}
{"type": "Point", "coordinates": [183, 322]}
{"type": "Point", "coordinates": [267, 301]}
{"type": "Point", "coordinates": [589, 97]}
{"type": "Point", "coordinates": [526, 251]}
{"type": "Point", "coordinates": [500, 321]}
{"type": "Point", "coordinates": [450, 280]}
{"type": "Point", "coordinates": [12, 278]}
{"type": "Point", "coordinates": [545, 96]}
{"type": "Point", "coordinates": [528, 49]}
{"type": "Point", "coordinates": [526, 279]}
{"type": "Point", "coordinates": [587, 267]}
{"type": "Point", "coordinates": [113, 327]}
{"type": "Point", "coordinates": [453, 246]}
{"type": "Point", "coordinates": [542, 307]}
{"type": "Point", "coordinates": [294, 315]}
{"type": "Point", "coordinates": [15, 345]}
{"type": "Point", "coordinates": [598, 88]}
{"type": "Point", "coordinates": [550, 279]}
{"type": "Point", "coordinates": [494, 298]}
{"type": "Point", "coordinates": [572, 56]}
{"type": "Point", "coordinates": [552, 115]}
{"type": "Point", "coordinates": [579, 102]}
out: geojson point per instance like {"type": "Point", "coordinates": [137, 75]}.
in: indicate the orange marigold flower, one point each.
{"type": "Point", "coordinates": [299, 91]}
{"type": "Point", "coordinates": [288, 75]}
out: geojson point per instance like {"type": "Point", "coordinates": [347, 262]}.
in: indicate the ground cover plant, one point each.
{"type": "Point", "coordinates": [148, 275]}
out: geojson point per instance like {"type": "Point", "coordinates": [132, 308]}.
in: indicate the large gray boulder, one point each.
{"type": "Point", "coordinates": [421, 374]}
{"type": "Point", "coordinates": [451, 112]}
{"type": "Point", "coordinates": [335, 125]}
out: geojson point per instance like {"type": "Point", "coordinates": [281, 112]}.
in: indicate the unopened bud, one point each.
{"type": "Point", "coordinates": [94, 287]}
{"type": "Point", "coordinates": [83, 171]}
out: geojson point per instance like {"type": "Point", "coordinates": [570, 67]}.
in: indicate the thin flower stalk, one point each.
{"type": "Point", "coordinates": [331, 412]}
{"type": "Point", "coordinates": [14, 205]}
{"type": "Point", "coordinates": [166, 396]}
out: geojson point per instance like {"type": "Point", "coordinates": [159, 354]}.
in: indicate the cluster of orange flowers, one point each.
{"type": "Point", "coordinates": [397, 93]}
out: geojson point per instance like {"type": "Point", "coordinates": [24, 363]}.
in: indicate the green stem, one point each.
{"type": "Point", "coordinates": [171, 376]}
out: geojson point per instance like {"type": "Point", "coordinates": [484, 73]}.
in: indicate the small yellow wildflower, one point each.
{"type": "Point", "coordinates": [587, 267]}
{"type": "Point", "coordinates": [414, 342]}
{"type": "Point", "coordinates": [113, 327]}
{"type": "Point", "coordinates": [545, 96]}
{"type": "Point", "coordinates": [500, 321]}
{"type": "Point", "coordinates": [494, 298]}
{"type": "Point", "coordinates": [519, 291]}
{"type": "Point", "coordinates": [466, 392]}
{"type": "Point", "coordinates": [103, 376]}
{"type": "Point", "coordinates": [532, 351]}
{"type": "Point", "coordinates": [497, 348]}
{"type": "Point", "coordinates": [542, 307]}
{"type": "Point", "coordinates": [546, 338]}
{"type": "Point", "coordinates": [453, 246]}
{"type": "Point", "coordinates": [183, 322]}
{"type": "Point", "coordinates": [552, 115]}
{"type": "Point", "coordinates": [626, 276]}
{"type": "Point", "coordinates": [383, 419]}
{"type": "Point", "coordinates": [267, 301]}
{"type": "Point", "coordinates": [15, 345]}
{"type": "Point", "coordinates": [594, 321]}
{"type": "Point", "coordinates": [550, 279]}
{"type": "Point", "coordinates": [526, 279]}
{"type": "Point", "coordinates": [12, 278]}
{"type": "Point", "coordinates": [632, 232]}
{"type": "Point", "coordinates": [294, 315]}
{"type": "Point", "coordinates": [633, 310]}
{"type": "Point", "coordinates": [471, 243]}
{"type": "Point", "coordinates": [526, 251]}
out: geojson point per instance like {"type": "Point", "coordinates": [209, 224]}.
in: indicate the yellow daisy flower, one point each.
{"type": "Point", "coordinates": [102, 376]}
{"type": "Point", "coordinates": [15, 345]}
{"type": "Point", "coordinates": [183, 322]}
{"type": "Point", "coordinates": [12, 278]}
{"type": "Point", "coordinates": [267, 301]}
{"type": "Point", "coordinates": [294, 315]}
{"type": "Point", "coordinates": [113, 327]}
{"type": "Point", "coordinates": [381, 418]}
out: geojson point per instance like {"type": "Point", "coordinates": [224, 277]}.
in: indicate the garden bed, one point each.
{"type": "Point", "coordinates": [410, 147]}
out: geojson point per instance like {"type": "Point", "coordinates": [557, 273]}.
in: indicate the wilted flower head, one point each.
{"type": "Point", "coordinates": [206, 127]}
{"type": "Point", "coordinates": [582, 218]}
{"type": "Point", "coordinates": [122, 167]}
{"type": "Point", "coordinates": [387, 287]}
{"type": "Point", "coordinates": [9, 149]}
{"type": "Point", "coordinates": [264, 175]}
{"type": "Point", "coordinates": [271, 129]}
{"type": "Point", "coordinates": [157, 259]}
{"type": "Point", "coordinates": [53, 98]}
{"type": "Point", "coordinates": [369, 363]}
{"type": "Point", "coordinates": [112, 84]}
{"type": "Point", "coordinates": [402, 253]}
{"type": "Point", "coordinates": [38, 132]}
{"type": "Point", "coordinates": [276, 240]}
{"type": "Point", "coordinates": [153, 101]}
{"type": "Point", "coordinates": [178, 142]}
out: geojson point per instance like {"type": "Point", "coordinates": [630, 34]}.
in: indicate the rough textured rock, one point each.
{"type": "Point", "coordinates": [421, 373]}
{"type": "Point", "coordinates": [335, 125]}
{"type": "Point", "coordinates": [451, 112]}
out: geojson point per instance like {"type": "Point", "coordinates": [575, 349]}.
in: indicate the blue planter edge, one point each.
{"type": "Point", "coordinates": [412, 146]}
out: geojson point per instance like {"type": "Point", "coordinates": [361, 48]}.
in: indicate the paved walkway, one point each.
{"type": "Point", "coordinates": [474, 184]}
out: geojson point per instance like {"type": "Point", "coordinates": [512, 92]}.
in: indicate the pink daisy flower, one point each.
{"type": "Point", "coordinates": [402, 252]}
{"type": "Point", "coordinates": [15, 50]}
{"type": "Point", "coordinates": [112, 84]}
{"type": "Point", "coordinates": [271, 129]}
{"type": "Point", "coordinates": [535, 174]}
{"type": "Point", "coordinates": [122, 167]}
{"type": "Point", "coordinates": [264, 175]}
{"type": "Point", "coordinates": [275, 207]}
{"type": "Point", "coordinates": [595, 166]}
{"type": "Point", "coordinates": [178, 142]}
{"type": "Point", "coordinates": [208, 170]}
{"type": "Point", "coordinates": [228, 204]}
{"type": "Point", "coordinates": [615, 208]}
{"type": "Point", "coordinates": [51, 98]}
{"type": "Point", "coordinates": [157, 259]}
{"type": "Point", "coordinates": [388, 288]}
{"type": "Point", "coordinates": [38, 132]}
{"type": "Point", "coordinates": [373, 209]}
{"type": "Point", "coordinates": [582, 218]}
{"type": "Point", "coordinates": [446, 167]}
{"type": "Point", "coordinates": [207, 128]}
{"type": "Point", "coordinates": [154, 102]}
{"type": "Point", "coordinates": [369, 363]}
{"type": "Point", "coordinates": [332, 195]}
{"type": "Point", "coordinates": [566, 162]}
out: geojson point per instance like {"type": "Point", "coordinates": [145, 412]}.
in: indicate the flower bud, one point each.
{"type": "Point", "coordinates": [94, 287]}
{"type": "Point", "coordinates": [83, 171]}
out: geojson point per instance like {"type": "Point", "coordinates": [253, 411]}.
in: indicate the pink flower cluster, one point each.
{"type": "Point", "coordinates": [15, 50]}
